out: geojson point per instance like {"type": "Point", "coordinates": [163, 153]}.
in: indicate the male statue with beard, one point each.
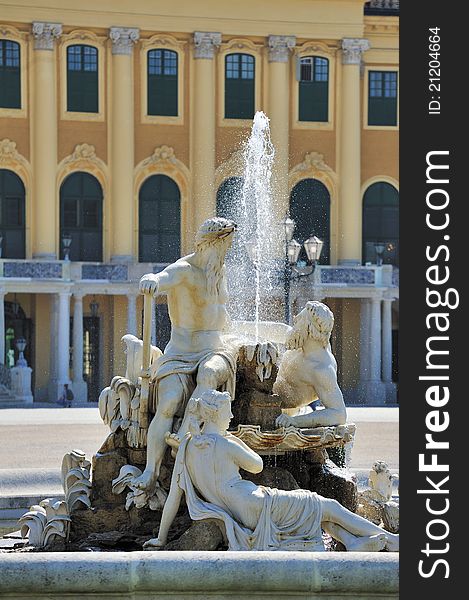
{"type": "Point", "coordinates": [198, 357]}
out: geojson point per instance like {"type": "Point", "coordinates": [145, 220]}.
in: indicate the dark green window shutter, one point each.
{"type": "Point", "coordinates": [239, 86]}
{"type": "Point", "coordinates": [10, 74]}
{"type": "Point", "coordinates": [82, 79]}
{"type": "Point", "coordinates": [12, 215]}
{"type": "Point", "coordinates": [162, 83]}
{"type": "Point", "coordinates": [81, 216]}
{"type": "Point", "coordinates": [159, 220]}
{"type": "Point", "coordinates": [382, 98]}
{"type": "Point", "coordinates": [313, 94]}
{"type": "Point", "coordinates": [381, 222]}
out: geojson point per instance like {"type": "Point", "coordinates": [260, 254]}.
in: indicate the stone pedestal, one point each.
{"type": "Point", "coordinates": [21, 384]}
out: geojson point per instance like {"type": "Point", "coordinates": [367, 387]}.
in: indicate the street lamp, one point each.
{"type": "Point", "coordinates": [66, 243]}
{"type": "Point", "coordinates": [379, 249]}
{"type": "Point", "coordinates": [313, 248]}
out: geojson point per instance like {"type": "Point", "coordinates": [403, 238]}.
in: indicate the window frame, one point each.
{"type": "Point", "coordinates": [82, 38]}
{"type": "Point", "coordinates": [11, 34]}
{"type": "Point", "coordinates": [238, 46]}
{"type": "Point", "coordinates": [162, 77]}
{"type": "Point", "coordinates": [319, 50]}
{"type": "Point", "coordinates": [314, 60]}
{"type": "Point", "coordinates": [161, 42]}
{"type": "Point", "coordinates": [82, 70]}
{"type": "Point", "coordinates": [366, 87]}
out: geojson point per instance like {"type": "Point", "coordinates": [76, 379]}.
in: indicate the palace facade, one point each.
{"type": "Point", "coordinates": [121, 126]}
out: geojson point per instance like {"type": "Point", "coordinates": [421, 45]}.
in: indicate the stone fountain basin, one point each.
{"type": "Point", "coordinates": [200, 575]}
{"type": "Point", "coordinates": [288, 439]}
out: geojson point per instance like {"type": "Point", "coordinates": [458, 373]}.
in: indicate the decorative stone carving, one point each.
{"type": "Point", "coordinates": [46, 522]}
{"type": "Point", "coordinates": [119, 403]}
{"type": "Point", "coordinates": [76, 480]}
{"type": "Point", "coordinates": [352, 50]}
{"type": "Point", "coordinates": [8, 150]}
{"type": "Point", "coordinates": [123, 39]}
{"type": "Point", "coordinates": [291, 438]}
{"type": "Point", "coordinates": [314, 160]}
{"type": "Point", "coordinates": [280, 47]}
{"type": "Point", "coordinates": [140, 498]}
{"type": "Point", "coordinates": [375, 503]}
{"type": "Point", "coordinates": [45, 34]}
{"type": "Point", "coordinates": [206, 473]}
{"type": "Point", "coordinates": [205, 43]}
{"type": "Point", "coordinates": [84, 151]}
{"type": "Point", "coordinates": [160, 154]}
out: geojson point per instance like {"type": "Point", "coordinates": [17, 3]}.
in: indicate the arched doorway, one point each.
{"type": "Point", "coordinates": [228, 198]}
{"type": "Point", "coordinates": [381, 222]}
{"type": "Point", "coordinates": [81, 217]}
{"type": "Point", "coordinates": [12, 215]}
{"type": "Point", "coordinates": [159, 220]}
{"type": "Point", "coordinates": [17, 325]}
{"type": "Point", "coordinates": [310, 208]}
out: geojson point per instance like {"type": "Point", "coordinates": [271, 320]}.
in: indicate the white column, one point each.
{"type": "Point", "coordinates": [387, 351]}
{"type": "Point", "coordinates": [63, 341]}
{"type": "Point", "coordinates": [2, 327]}
{"type": "Point", "coordinates": [79, 386]}
{"type": "Point", "coordinates": [132, 314]}
{"type": "Point", "coordinates": [375, 340]}
{"type": "Point", "coordinates": [365, 339]}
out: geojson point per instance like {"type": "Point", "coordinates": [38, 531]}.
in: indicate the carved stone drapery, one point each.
{"type": "Point", "coordinates": [352, 50]}
{"type": "Point", "coordinates": [280, 47]}
{"type": "Point", "coordinates": [45, 34]}
{"type": "Point", "coordinates": [123, 39]}
{"type": "Point", "coordinates": [205, 43]}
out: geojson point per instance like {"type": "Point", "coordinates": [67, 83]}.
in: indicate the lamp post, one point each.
{"type": "Point", "coordinates": [66, 243]}
{"type": "Point", "coordinates": [379, 249]}
{"type": "Point", "coordinates": [313, 248]}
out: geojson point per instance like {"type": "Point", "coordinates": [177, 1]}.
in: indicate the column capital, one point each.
{"type": "Point", "coordinates": [280, 47]}
{"type": "Point", "coordinates": [45, 34]}
{"type": "Point", "coordinates": [78, 296]}
{"type": "Point", "coordinates": [205, 43]}
{"type": "Point", "coordinates": [352, 50]}
{"type": "Point", "coordinates": [123, 39]}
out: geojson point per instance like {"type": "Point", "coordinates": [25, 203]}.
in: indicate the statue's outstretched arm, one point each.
{"type": "Point", "coordinates": [170, 510]}
{"type": "Point", "coordinates": [244, 457]}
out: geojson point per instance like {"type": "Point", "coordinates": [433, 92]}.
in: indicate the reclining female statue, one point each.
{"type": "Point", "coordinates": [254, 517]}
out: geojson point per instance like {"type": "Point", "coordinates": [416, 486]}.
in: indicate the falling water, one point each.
{"type": "Point", "coordinates": [251, 280]}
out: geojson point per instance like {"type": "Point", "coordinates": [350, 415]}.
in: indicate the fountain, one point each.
{"type": "Point", "coordinates": [168, 424]}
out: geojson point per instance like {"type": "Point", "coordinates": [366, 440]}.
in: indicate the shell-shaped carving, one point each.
{"type": "Point", "coordinates": [76, 480]}
{"type": "Point", "coordinates": [45, 522]}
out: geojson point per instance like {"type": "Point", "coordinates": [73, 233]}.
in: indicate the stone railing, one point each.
{"type": "Point", "coordinates": [354, 275]}
{"type": "Point", "coordinates": [214, 575]}
{"type": "Point", "coordinates": [377, 7]}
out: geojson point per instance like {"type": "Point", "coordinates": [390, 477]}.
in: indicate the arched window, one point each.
{"type": "Point", "coordinates": [381, 222]}
{"type": "Point", "coordinates": [310, 208]}
{"type": "Point", "coordinates": [81, 216]}
{"type": "Point", "coordinates": [239, 86]}
{"type": "Point", "coordinates": [162, 72]}
{"type": "Point", "coordinates": [82, 79]}
{"type": "Point", "coordinates": [159, 220]}
{"type": "Point", "coordinates": [313, 94]}
{"type": "Point", "coordinates": [10, 74]}
{"type": "Point", "coordinates": [228, 198]}
{"type": "Point", "coordinates": [12, 215]}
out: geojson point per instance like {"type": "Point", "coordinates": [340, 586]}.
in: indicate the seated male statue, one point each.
{"type": "Point", "coordinates": [198, 357]}
{"type": "Point", "coordinates": [254, 517]}
{"type": "Point", "coordinates": [308, 371]}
